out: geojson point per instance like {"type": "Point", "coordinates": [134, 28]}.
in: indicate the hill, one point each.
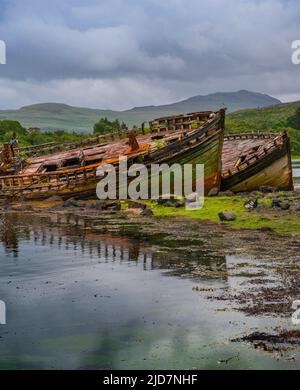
{"type": "Point", "coordinates": [277, 117]}
{"type": "Point", "coordinates": [53, 116]}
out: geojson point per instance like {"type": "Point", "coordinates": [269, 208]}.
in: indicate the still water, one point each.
{"type": "Point", "coordinates": [296, 171]}
{"type": "Point", "coordinates": [76, 300]}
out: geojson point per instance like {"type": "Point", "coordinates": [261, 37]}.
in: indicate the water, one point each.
{"type": "Point", "coordinates": [296, 171]}
{"type": "Point", "coordinates": [77, 300]}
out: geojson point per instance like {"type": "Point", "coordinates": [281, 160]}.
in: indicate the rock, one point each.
{"type": "Point", "coordinates": [295, 206]}
{"type": "Point", "coordinates": [54, 198]}
{"type": "Point", "coordinates": [6, 207]}
{"type": "Point", "coordinates": [267, 189]}
{"type": "Point", "coordinates": [266, 229]}
{"type": "Point", "coordinates": [168, 198]}
{"type": "Point", "coordinates": [285, 206]}
{"type": "Point", "coordinates": [192, 198]}
{"type": "Point", "coordinates": [214, 191]}
{"type": "Point", "coordinates": [70, 203]}
{"type": "Point", "coordinates": [251, 204]}
{"type": "Point", "coordinates": [134, 204]}
{"type": "Point", "coordinates": [276, 202]}
{"type": "Point", "coordinates": [95, 204]}
{"type": "Point", "coordinates": [242, 193]}
{"type": "Point", "coordinates": [176, 203]}
{"type": "Point", "coordinates": [227, 216]}
{"type": "Point", "coordinates": [134, 211]}
{"type": "Point", "coordinates": [257, 193]}
{"type": "Point", "coordinates": [147, 212]}
{"type": "Point", "coordinates": [98, 205]}
{"type": "Point", "coordinates": [226, 193]}
{"type": "Point", "coordinates": [194, 202]}
{"type": "Point", "coordinates": [112, 205]}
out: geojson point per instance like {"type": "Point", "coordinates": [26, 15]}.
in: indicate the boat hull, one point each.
{"type": "Point", "coordinates": [200, 146]}
{"type": "Point", "coordinates": [274, 169]}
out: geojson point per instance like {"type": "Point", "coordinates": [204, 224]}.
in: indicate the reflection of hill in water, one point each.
{"type": "Point", "coordinates": [67, 232]}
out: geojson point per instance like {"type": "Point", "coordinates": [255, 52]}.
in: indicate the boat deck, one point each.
{"type": "Point", "coordinates": [239, 150]}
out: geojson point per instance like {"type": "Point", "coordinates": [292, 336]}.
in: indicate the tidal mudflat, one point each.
{"type": "Point", "coordinates": [81, 294]}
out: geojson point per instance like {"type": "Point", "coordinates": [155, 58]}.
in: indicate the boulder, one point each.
{"type": "Point", "coordinates": [192, 198]}
{"type": "Point", "coordinates": [226, 193]}
{"type": "Point", "coordinates": [147, 212]}
{"type": "Point", "coordinates": [6, 207]}
{"type": "Point", "coordinates": [168, 198]}
{"type": "Point", "coordinates": [267, 189]}
{"type": "Point", "coordinates": [266, 229]}
{"type": "Point", "coordinates": [70, 203]}
{"type": "Point", "coordinates": [95, 204]}
{"type": "Point", "coordinates": [242, 193]}
{"type": "Point", "coordinates": [251, 204]}
{"type": "Point", "coordinates": [214, 191]}
{"type": "Point", "coordinates": [224, 216]}
{"type": "Point", "coordinates": [134, 204]}
{"type": "Point", "coordinates": [276, 202]}
{"type": "Point", "coordinates": [285, 206]}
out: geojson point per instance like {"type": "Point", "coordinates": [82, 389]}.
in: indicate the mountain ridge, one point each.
{"type": "Point", "coordinates": [52, 116]}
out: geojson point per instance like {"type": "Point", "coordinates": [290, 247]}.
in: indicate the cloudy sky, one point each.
{"type": "Point", "coordinates": [123, 53]}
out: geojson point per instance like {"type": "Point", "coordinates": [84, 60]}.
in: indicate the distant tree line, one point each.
{"type": "Point", "coordinates": [104, 126]}
{"type": "Point", "coordinates": [34, 136]}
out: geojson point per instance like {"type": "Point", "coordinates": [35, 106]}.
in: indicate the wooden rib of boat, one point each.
{"type": "Point", "coordinates": [250, 161]}
{"type": "Point", "coordinates": [73, 171]}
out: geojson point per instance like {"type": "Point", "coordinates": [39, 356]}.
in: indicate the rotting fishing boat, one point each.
{"type": "Point", "coordinates": [72, 170]}
{"type": "Point", "coordinates": [251, 160]}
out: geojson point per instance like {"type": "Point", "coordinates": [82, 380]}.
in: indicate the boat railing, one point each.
{"type": "Point", "coordinates": [278, 143]}
{"type": "Point", "coordinates": [246, 136]}
{"type": "Point", "coordinates": [188, 138]}
{"type": "Point", "coordinates": [52, 147]}
{"type": "Point", "coordinates": [17, 185]}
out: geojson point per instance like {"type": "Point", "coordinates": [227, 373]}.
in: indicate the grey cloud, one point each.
{"type": "Point", "coordinates": [159, 50]}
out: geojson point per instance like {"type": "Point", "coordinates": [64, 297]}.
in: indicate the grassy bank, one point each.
{"type": "Point", "coordinates": [279, 221]}
{"type": "Point", "coordinates": [264, 217]}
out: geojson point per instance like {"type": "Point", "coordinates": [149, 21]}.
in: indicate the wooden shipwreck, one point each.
{"type": "Point", "coordinates": [250, 161]}
{"type": "Point", "coordinates": [71, 170]}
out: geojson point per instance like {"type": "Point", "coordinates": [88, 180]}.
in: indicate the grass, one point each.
{"type": "Point", "coordinates": [278, 221]}
{"type": "Point", "coordinates": [274, 118]}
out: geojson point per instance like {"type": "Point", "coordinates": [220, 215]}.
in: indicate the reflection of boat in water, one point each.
{"type": "Point", "coordinates": [253, 160]}
{"type": "Point", "coordinates": [68, 232]}
{"type": "Point", "coordinates": [72, 172]}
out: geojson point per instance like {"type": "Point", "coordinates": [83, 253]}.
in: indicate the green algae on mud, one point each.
{"type": "Point", "coordinates": [281, 222]}
{"type": "Point", "coordinates": [162, 310]}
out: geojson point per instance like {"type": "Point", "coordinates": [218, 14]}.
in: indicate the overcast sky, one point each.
{"type": "Point", "coordinates": [123, 53]}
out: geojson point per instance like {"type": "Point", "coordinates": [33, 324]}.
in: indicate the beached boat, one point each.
{"type": "Point", "coordinates": [72, 170]}
{"type": "Point", "coordinates": [250, 161]}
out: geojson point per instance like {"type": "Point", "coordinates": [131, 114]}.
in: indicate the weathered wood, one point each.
{"type": "Point", "coordinates": [34, 181]}
{"type": "Point", "coordinates": [254, 160]}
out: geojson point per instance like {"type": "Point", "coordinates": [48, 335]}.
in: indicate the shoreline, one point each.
{"type": "Point", "coordinates": [259, 268]}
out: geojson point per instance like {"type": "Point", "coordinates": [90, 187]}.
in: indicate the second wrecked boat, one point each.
{"type": "Point", "coordinates": [250, 161]}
